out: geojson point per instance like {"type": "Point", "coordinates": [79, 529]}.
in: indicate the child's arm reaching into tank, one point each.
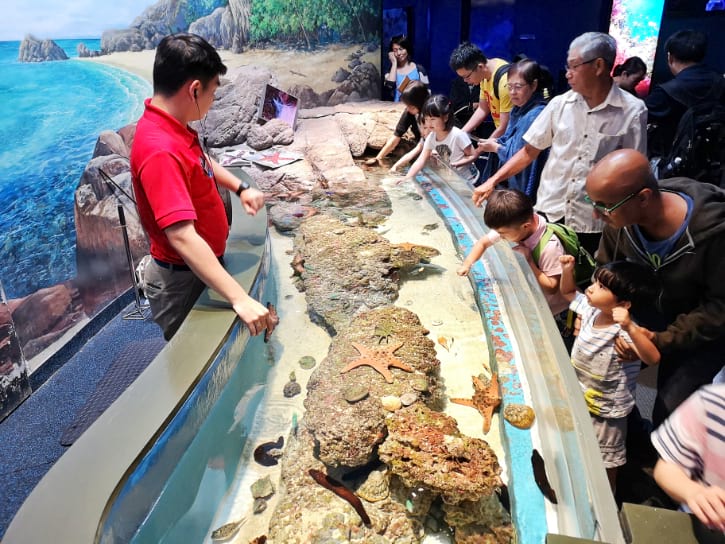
{"type": "Point", "coordinates": [417, 165]}
{"type": "Point", "coordinates": [409, 156]}
{"type": "Point", "coordinates": [641, 337]}
{"type": "Point", "coordinates": [477, 251]}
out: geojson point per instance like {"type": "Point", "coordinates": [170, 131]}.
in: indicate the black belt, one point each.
{"type": "Point", "coordinates": [173, 267]}
{"type": "Point", "coordinates": [180, 267]}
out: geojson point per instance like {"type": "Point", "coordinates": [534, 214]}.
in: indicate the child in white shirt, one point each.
{"type": "Point", "coordinates": [452, 145]}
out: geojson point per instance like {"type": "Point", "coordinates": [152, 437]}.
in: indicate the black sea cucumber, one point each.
{"type": "Point", "coordinates": [262, 452]}
{"type": "Point", "coordinates": [537, 463]}
{"type": "Point", "coordinates": [341, 491]}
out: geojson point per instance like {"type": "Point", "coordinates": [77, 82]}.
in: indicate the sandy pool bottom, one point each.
{"type": "Point", "coordinates": [445, 304]}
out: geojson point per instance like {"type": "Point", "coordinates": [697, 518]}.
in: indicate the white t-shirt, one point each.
{"type": "Point", "coordinates": [578, 137]}
{"type": "Point", "coordinates": [450, 149]}
{"type": "Point", "coordinates": [607, 382]}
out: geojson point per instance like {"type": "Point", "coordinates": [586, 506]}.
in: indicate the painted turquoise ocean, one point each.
{"type": "Point", "coordinates": [51, 114]}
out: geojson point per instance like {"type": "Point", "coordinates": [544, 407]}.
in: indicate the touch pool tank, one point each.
{"type": "Point", "coordinates": [169, 489]}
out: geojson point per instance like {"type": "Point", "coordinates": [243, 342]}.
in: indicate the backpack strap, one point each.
{"type": "Point", "coordinates": [500, 71]}
{"type": "Point", "coordinates": [536, 252]}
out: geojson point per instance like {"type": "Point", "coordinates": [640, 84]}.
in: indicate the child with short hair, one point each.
{"type": "Point", "coordinates": [510, 215]}
{"type": "Point", "coordinates": [607, 382]}
{"type": "Point", "coordinates": [452, 145]}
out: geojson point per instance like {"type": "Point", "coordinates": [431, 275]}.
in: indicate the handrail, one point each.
{"type": "Point", "coordinates": [524, 340]}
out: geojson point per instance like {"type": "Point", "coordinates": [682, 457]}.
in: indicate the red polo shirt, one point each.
{"type": "Point", "coordinates": [172, 182]}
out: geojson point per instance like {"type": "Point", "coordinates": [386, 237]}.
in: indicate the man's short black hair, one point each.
{"type": "Point", "coordinates": [181, 57]}
{"type": "Point", "coordinates": [468, 56]}
{"type": "Point", "coordinates": [687, 45]}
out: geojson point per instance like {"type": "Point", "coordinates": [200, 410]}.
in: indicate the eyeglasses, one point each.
{"type": "Point", "coordinates": [464, 78]}
{"type": "Point", "coordinates": [516, 86]}
{"type": "Point", "coordinates": [607, 210]}
{"type": "Point", "coordinates": [569, 68]}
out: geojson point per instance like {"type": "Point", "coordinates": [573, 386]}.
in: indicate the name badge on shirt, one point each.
{"type": "Point", "coordinates": [206, 166]}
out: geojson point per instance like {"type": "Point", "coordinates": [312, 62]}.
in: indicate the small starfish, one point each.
{"type": "Point", "coordinates": [485, 399]}
{"type": "Point", "coordinates": [276, 157]}
{"type": "Point", "coordinates": [378, 358]}
{"type": "Point", "coordinates": [406, 246]}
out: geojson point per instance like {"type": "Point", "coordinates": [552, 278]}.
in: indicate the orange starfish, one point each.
{"type": "Point", "coordinates": [378, 358]}
{"type": "Point", "coordinates": [406, 246]}
{"type": "Point", "coordinates": [485, 399]}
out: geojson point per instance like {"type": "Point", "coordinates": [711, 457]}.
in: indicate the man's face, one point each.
{"type": "Point", "coordinates": [205, 97]}
{"type": "Point", "coordinates": [616, 207]}
{"type": "Point", "coordinates": [471, 76]}
{"type": "Point", "coordinates": [580, 72]}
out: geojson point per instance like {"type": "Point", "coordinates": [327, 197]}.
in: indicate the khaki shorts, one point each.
{"type": "Point", "coordinates": [612, 435]}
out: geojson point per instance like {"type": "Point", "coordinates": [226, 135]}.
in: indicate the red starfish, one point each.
{"type": "Point", "coordinates": [275, 158]}
{"type": "Point", "coordinates": [378, 358]}
{"type": "Point", "coordinates": [485, 399]}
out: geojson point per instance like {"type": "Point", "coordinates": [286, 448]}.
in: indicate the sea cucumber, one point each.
{"type": "Point", "coordinates": [262, 453]}
{"type": "Point", "coordinates": [537, 462]}
{"type": "Point", "coordinates": [341, 491]}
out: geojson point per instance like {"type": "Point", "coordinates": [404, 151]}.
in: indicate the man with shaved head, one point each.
{"type": "Point", "coordinates": [677, 227]}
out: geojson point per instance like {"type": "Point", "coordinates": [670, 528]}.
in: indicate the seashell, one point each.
{"type": "Point", "coordinates": [436, 322]}
{"type": "Point", "coordinates": [519, 415]}
{"type": "Point", "coordinates": [376, 487]}
{"type": "Point", "coordinates": [419, 383]}
{"type": "Point", "coordinates": [307, 362]}
{"type": "Point", "coordinates": [443, 341]}
{"type": "Point", "coordinates": [391, 403]}
{"type": "Point", "coordinates": [228, 530]}
{"type": "Point", "coordinates": [408, 398]}
{"type": "Point", "coordinates": [355, 393]}
{"type": "Point", "coordinates": [259, 506]}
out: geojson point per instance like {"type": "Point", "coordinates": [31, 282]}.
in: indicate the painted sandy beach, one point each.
{"type": "Point", "coordinates": [290, 66]}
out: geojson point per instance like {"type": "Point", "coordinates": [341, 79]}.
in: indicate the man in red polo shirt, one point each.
{"type": "Point", "coordinates": [174, 181]}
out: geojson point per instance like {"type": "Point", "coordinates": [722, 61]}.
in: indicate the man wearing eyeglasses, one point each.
{"type": "Point", "coordinates": [579, 127]}
{"type": "Point", "coordinates": [472, 66]}
{"type": "Point", "coordinates": [677, 227]}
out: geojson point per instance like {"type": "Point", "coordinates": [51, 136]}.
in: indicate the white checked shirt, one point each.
{"type": "Point", "coordinates": [578, 138]}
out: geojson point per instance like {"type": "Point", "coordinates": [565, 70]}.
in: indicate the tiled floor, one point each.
{"type": "Point", "coordinates": [30, 436]}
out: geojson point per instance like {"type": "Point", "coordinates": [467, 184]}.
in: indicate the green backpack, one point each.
{"type": "Point", "coordinates": [584, 265]}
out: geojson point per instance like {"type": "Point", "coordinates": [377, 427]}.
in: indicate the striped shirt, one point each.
{"type": "Point", "coordinates": [608, 384]}
{"type": "Point", "coordinates": [693, 437]}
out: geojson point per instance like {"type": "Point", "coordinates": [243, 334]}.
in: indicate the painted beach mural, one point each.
{"type": "Point", "coordinates": [67, 125]}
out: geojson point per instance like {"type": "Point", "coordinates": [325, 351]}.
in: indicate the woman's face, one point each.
{"type": "Point", "coordinates": [630, 81]}
{"type": "Point", "coordinates": [401, 54]}
{"type": "Point", "coordinates": [520, 91]}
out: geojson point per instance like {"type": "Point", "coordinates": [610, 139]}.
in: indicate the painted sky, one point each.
{"type": "Point", "coordinates": [54, 19]}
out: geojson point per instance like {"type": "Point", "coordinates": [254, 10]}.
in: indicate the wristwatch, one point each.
{"type": "Point", "coordinates": [243, 186]}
